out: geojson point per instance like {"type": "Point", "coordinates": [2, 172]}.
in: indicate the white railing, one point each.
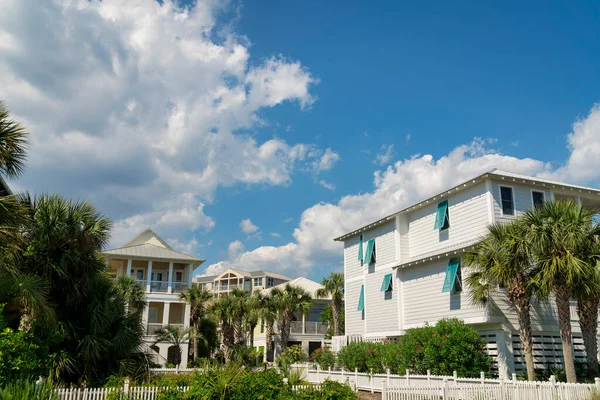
{"type": "Point", "coordinates": [178, 287]}
{"type": "Point", "coordinates": [159, 286]}
{"type": "Point", "coordinates": [133, 392]}
{"type": "Point", "coordinates": [153, 328]}
{"type": "Point", "coordinates": [421, 386]}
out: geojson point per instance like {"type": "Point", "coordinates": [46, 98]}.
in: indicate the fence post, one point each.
{"type": "Point", "coordinates": [445, 389]}
{"type": "Point", "coordinates": [126, 387]}
{"type": "Point", "coordinates": [514, 378]}
{"type": "Point", "coordinates": [454, 376]}
{"type": "Point", "coordinates": [372, 382]}
{"type": "Point", "coordinates": [318, 373]}
{"type": "Point", "coordinates": [501, 388]}
{"type": "Point", "coordinates": [343, 380]}
{"type": "Point", "coordinates": [553, 382]}
{"type": "Point", "coordinates": [597, 381]}
{"type": "Point", "coordinates": [383, 389]}
{"type": "Point", "coordinates": [353, 385]}
{"type": "Point", "coordinates": [407, 377]}
{"type": "Point", "coordinates": [356, 377]}
{"type": "Point", "coordinates": [177, 369]}
{"type": "Point", "coordinates": [387, 371]}
{"type": "Point", "coordinates": [482, 377]}
{"type": "Point", "coordinates": [329, 372]}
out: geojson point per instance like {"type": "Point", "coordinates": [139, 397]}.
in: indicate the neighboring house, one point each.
{"type": "Point", "coordinates": [306, 330]}
{"type": "Point", "coordinates": [248, 281]}
{"type": "Point", "coordinates": [406, 269]}
{"type": "Point", "coordinates": [164, 273]}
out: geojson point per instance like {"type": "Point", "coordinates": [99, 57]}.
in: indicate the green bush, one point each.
{"type": "Point", "coordinates": [363, 356]}
{"type": "Point", "coordinates": [260, 385]}
{"type": "Point", "coordinates": [449, 346]}
{"type": "Point", "coordinates": [291, 355]}
{"type": "Point", "coordinates": [247, 356]}
{"type": "Point", "coordinates": [21, 357]}
{"type": "Point", "coordinates": [28, 390]}
{"type": "Point", "coordinates": [329, 390]}
{"type": "Point", "coordinates": [324, 357]}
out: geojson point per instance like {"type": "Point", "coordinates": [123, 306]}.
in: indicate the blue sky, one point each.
{"type": "Point", "coordinates": [307, 118]}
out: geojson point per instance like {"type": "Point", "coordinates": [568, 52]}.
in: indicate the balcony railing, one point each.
{"type": "Point", "coordinates": [224, 288]}
{"type": "Point", "coordinates": [153, 328]}
{"type": "Point", "coordinates": [179, 287]}
{"type": "Point", "coordinates": [159, 286]}
{"type": "Point", "coordinates": [310, 328]}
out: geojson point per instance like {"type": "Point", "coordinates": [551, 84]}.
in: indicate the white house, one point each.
{"type": "Point", "coordinates": [412, 270]}
{"type": "Point", "coordinates": [164, 273]}
{"type": "Point", "coordinates": [248, 281]}
{"type": "Point", "coordinates": [306, 330]}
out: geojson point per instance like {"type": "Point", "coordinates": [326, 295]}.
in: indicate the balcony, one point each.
{"type": "Point", "coordinates": [153, 328]}
{"type": "Point", "coordinates": [159, 286]}
{"type": "Point", "coordinates": [179, 287]}
{"type": "Point", "coordinates": [310, 328]}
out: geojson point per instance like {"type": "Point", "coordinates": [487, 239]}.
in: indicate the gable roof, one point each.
{"type": "Point", "coordinates": [148, 245]}
{"type": "Point", "coordinates": [304, 283]}
{"type": "Point", "coordinates": [493, 174]}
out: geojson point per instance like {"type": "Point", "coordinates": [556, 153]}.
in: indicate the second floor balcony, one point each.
{"type": "Point", "coordinates": [308, 328]}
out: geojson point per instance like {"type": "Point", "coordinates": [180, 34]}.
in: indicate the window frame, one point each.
{"type": "Point", "coordinates": [270, 282]}
{"type": "Point", "coordinates": [446, 224]}
{"type": "Point", "coordinates": [256, 280]}
{"type": "Point", "coordinates": [537, 191]}
{"type": "Point", "coordinates": [373, 259]}
{"type": "Point", "coordinates": [390, 286]}
{"type": "Point", "coordinates": [512, 194]}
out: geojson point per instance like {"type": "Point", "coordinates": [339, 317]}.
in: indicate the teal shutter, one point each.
{"type": "Point", "coordinates": [370, 255]}
{"type": "Point", "coordinates": [361, 299]}
{"type": "Point", "coordinates": [450, 275]}
{"type": "Point", "coordinates": [440, 218]}
{"type": "Point", "coordinates": [360, 248]}
{"type": "Point", "coordinates": [387, 283]}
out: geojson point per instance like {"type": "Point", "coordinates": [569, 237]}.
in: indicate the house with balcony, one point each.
{"type": "Point", "coordinates": [406, 269]}
{"type": "Point", "coordinates": [248, 281]}
{"type": "Point", "coordinates": [164, 273]}
{"type": "Point", "coordinates": [306, 330]}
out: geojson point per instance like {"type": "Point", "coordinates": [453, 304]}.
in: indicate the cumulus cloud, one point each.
{"type": "Point", "coordinates": [327, 185]}
{"type": "Point", "coordinates": [385, 155]}
{"type": "Point", "coordinates": [247, 226]}
{"type": "Point", "coordinates": [135, 103]}
{"type": "Point", "coordinates": [275, 234]}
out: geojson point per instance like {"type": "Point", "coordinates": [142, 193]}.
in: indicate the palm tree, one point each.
{"type": "Point", "coordinates": [253, 314]}
{"type": "Point", "coordinates": [223, 310]}
{"type": "Point", "coordinates": [239, 308]}
{"type": "Point", "coordinates": [334, 287]}
{"type": "Point", "coordinates": [503, 258]}
{"type": "Point", "coordinates": [27, 294]}
{"type": "Point", "coordinates": [133, 292]}
{"type": "Point", "coordinates": [177, 336]}
{"type": "Point", "coordinates": [559, 233]}
{"type": "Point", "coordinates": [289, 300]}
{"type": "Point", "coordinates": [198, 298]}
{"type": "Point", "coordinates": [268, 315]}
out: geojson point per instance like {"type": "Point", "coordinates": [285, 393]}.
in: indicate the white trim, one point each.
{"type": "Point", "coordinates": [531, 190]}
{"type": "Point", "coordinates": [512, 192]}
{"type": "Point", "coordinates": [397, 238]}
{"type": "Point", "coordinates": [490, 201]}
{"type": "Point", "coordinates": [400, 298]}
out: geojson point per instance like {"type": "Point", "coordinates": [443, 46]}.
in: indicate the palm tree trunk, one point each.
{"type": "Point", "coordinates": [562, 294]}
{"type": "Point", "coordinates": [238, 331]}
{"type": "Point", "coordinates": [523, 307]}
{"type": "Point", "coordinates": [251, 335]}
{"type": "Point", "coordinates": [335, 310]}
{"type": "Point", "coordinates": [226, 340]}
{"type": "Point", "coordinates": [587, 309]}
{"type": "Point", "coordinates": [285, 328]}
{"type": "Point", "coordinates": [195, 339]}
{"type": "Point", "coordinates": [268, 338]}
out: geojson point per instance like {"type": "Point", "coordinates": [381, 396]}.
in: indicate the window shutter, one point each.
{"type": "Point", "coordinates": [450, 275]}
{"type": "Point", "coordinates": [370, 254]}
{"type": "Point", "coordinates": [440, 218]}
{"type": "Point", "coordinates": [387, 283]}
{"type": "Point", "coordinates": [361, 299]}
{"type": "Point", "coordinates": [360, 248]}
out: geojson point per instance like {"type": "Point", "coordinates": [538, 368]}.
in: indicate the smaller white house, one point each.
{"type": "Point", "coordinates": [164, 273]}
{"type": "Point", "coordinates": [306, 330]}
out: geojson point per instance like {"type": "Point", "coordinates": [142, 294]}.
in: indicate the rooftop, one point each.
{"type": "Point", "coordinates": [496, 174]}
{"type": "Point", "coordinates": [305, 283]}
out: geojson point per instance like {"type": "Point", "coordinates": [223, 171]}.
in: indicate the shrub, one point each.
{"type": "Point", "coordinates": [324, 357]}
{"type": "Point", "coordinates": [329, 390]}
{"type": "Point", "coordinates": [247, 356]}
{"type": "Point", "coordinates": [21, 357]}
{"type": "Point", "coordinates": [259, 385]}
{"type": "Point", "coordinates": [291, 355]}
{"type": "Point", "coordinates": [449, 346]}
{"type": "Point", "coordinates": [28, 390]}
{"type": "Point", "coordinates": [364, 356]}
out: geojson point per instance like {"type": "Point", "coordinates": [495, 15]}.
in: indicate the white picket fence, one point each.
{"type": "Point", "coordinates": [133, 392]}
{"type": "Point", "coordinates": [432, 387]}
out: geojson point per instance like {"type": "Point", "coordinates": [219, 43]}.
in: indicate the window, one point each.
{"type": "Point", "coordinates": [203, 285]}
{"type": "Point", "coordinates": [258, 282]}
{"type": "Point", "coordinates": [370, 253]}
{"type": "Point", "coordinates": [269, 282]}
{"type": "Point", "coordinates": [178, 276]}
{"type": "Point", "coordinates": [442, 218]}
{"type": "Point", "coordinates": [361, 299]}
{"type": "Point", "coordinates": [507, 201]}
{"type": "Point", "coordinates": [386, 285]}
{"type": "Point", "coordinates": [453, 280]}
{"type": "Point", "coordinates": [140, 274]}
{"type": "Point", "coordinates": [156, 276]}
{"type": "Point", "coordinates": [537, 198]}
{"type": "Point", "coordinates": [152, 315]}
{"type": "Point", "coordinates": [247, 284]}
{"type": "Point", "coordinates": [224, 285]}
{"type": "Point", "coordinates": [360, 250]}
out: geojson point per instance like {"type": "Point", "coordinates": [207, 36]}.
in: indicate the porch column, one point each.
{"type": "Point", "coordinates": [166, 309]}
{"type": "Point", "coordinates": [149, 278]}
{"type": "Point", "coordinates": [128, 270]}
{"type": "Point", "coordinates": [303, 323]}
{"type": "Point", "coordinates": [145, 316]}
{"type": "Point", "coordinates": [190, 272]}
{"type": "Point", "coordinates": [186, 315]}
{"type": "Point", "coordinates": [170, 282]}
{"type": "Point", "coordinates": [106, 263]}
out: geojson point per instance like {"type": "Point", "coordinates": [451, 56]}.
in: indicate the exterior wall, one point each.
{"type": "Point", "coordinates": [522, 198]}
{"type": "Point", "coordinates": [468, 213]}
{"type": "Point", "coordinates": [355, 325]}
{"type": "Point", "coordinates": [424, 301]}
{"type": "Point", "coordinates": [352, 266]}
{"type": "Point", "coordinates": [381, 307]}
{"type": "Point", "coordinates": [385, 243]}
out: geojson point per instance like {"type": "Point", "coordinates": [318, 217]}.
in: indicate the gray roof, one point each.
{"type": "Point", "coordinates": [249, 274]}
{"type": "Point", "coordinates": [150, 251]}
{"type": "Point", "coordinates": [206, 278]}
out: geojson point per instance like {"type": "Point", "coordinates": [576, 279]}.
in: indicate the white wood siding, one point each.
{"type": "Point", "coordinates": [468, 215]}
{"type": "Point", "coordinates": [403, 231]}
{"type": "Point", "coordinates": [424, 300]}
{"type": "Point", "coordinates": [352, 266]}
{"type": "Point", "coordinates": [382, 309]}
{"type": "Point", "coordinates": [385, 242]}
{"type": "Point", "coordinates": [354, 323]}
{"type": "Point", "coordinates": [522, 198]}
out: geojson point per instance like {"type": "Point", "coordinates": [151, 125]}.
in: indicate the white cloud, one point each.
{"type": "Point", "coordinates": [275, 234]}
{"type": "Point", "coordinates": [401, 184]}
{"type": "Point", "coordinates": [247, 226]}
{"type": "Point", "coordinates": [327, 185]}
{"type": "Point", "coordinates": [385, 155]}
{"type": "Point", "coordinates": [408, 137]}
{"type": "Point", "coordinates": [137, 102]}
{"type": "Point", "coordinates": [288, 220]}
